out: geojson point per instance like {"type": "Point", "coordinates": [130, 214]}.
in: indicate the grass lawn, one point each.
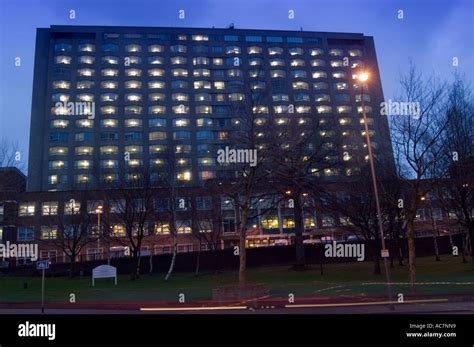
{"type": "Point", "coordinates": [338, 279]}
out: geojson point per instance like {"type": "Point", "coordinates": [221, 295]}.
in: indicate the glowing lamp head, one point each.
{"type": "Point", "coordinates": [363, 76]}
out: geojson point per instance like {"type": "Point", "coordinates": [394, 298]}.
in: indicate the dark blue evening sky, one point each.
{"type": "Point", "coordinates": [431, 34]}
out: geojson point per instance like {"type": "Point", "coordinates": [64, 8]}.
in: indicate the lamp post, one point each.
{"type": "Point", "coordinates": [363, 77]}
{"type": "Point", "coordinates": [98, 210]}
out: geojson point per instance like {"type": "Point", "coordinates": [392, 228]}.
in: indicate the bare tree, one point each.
{"type": "Point", "coordinates": [355, 206]}
{"type": "Point", "coordinates": [204, 230]}
{"type": "Point", "coordinates": [417, 146]}
{"type": "Point", "coordinates": [10, 155]}
{"type": "Point", "coordinates": [131, 205]}
{"type": "Point", "coordinates": [303, 154]}
{"type": "Point", "coordinates": [243, 179]}
{"type": "Point", "coordinates": [70, 228]}
{"type": "Point", "coordinates": [456, 190]}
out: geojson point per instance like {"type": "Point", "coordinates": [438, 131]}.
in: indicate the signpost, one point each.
{"type": "Point", "coordinates": [104, 271]}
{"type": "Point", "coordinates": [42, 265]}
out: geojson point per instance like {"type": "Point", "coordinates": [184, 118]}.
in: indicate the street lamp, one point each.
{"type": "Point", "coordinates": [363, 77]}
{"type": "Point", "coordinates": [98, 210]}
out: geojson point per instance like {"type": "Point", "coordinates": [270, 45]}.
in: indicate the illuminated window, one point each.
{"type": "Point", "coordinates": [339, 74]}
{"type": "Point", "coordinates": [83, 164]}
{"type": "Point", "coordinates": [108, 110]}
{"type": "Point", "coordinates": [368, 109]}
{"type": "Point", "coordinates": [157, 149]}
{"type": "Point", "coordinates": [295, 51]}
{"type": "Point", "coordinates": [62, 59]}
{"type": "Point", "coordinates": [156, 60]}
{"type": "Point", "coordinates": [202, 85]}
{"type": "Point", "coordinates": [200, 38]}
{"type": "Point", "coordinates": [133, 84]}
{"type": "Point", "coordinates": [155, 48]}
{"type": "Point", "coordinates": [181, 122]}
{"type": "Point", "coordinates": [355, 52]}
{"type": "Point", "coordinates": [345, 121]}
{"type": "Point", "coordinates": [132, 110]}
{"type": "Point", "coordinates": [319, 74]}
{"type": "Point", "coordinates": [270, 222]}
{"type": "Point", "coordinates": [85, 84]}
{"type": "Point", "coordinates": [341, 86]}
{"type": "Point", "coordinates": [162, 228]}
{"type": "Point", "coordinates": [58, 151]}
{"type": "Point", "coordinates": [26, 209]}
{"type": "Point", "coordinates": [110, 72]}
{"type": "Point", "coordinates": [232, 50]}
{"type": "Point", "coordinates": [178, 60]}
{"type": "Point", "coordinates": [84, 123]}
{"type": "Point", "coordinates": [59, 123]}
{"type": "Point", "coordinates": [300, 85]}
{"type": "Point", "coordinates": [156, 84]}
{"type": "Point", "coordinates": [62, 47]}
{"type": "Point", "coordinates": [86, 47]}
{"type": "Point", "coordinates": [118, 230]}
{"type": "Point", "coordinates": [236, 97]}
{"type": "Point", "coordinates": [49, 232]}
{"type": "Point", "coordinates": [277, 62]}
{"type": "Point", "coordinates": [288, 222]}
{"type": "Point", "coordinates": [85, 97]}
{"type": "Point", "coordinates": [298, 74]}
{"type": "Point", "coordinates": [218, 61]}
{"type": "Point", "coordinates": [110, 60]}
{"type": "Point", "coordinates": [133, 72]}
{"type": "Point", "coordinates": [324, 109]}
{"type": "Point", "coordinates": [157, 135]}
{"type": "Point", "coordinates": [133, 48]}
{"type": "Point", "coordinates": [200, 122]}
{"type": "Point", "coordinates": [86, 59]}
{"type": "Point", "coordinates": [335, 52]}
{"type": "Point", "coordinates": [201, 72]}
{"type": "Point", "coordinates": [297, 62]}
{"type": "Point", "coordinates": [183, 176]}
{"type": "Point", "coordinates": [254, 50]}
{"type": "Point", "coordinates": [156, 97]}
{"type": "Point", "coordinates": [156, 109]}
{"type": "Point", "coordinates": [85, 72]}
{"type": "Point", "coordinates": [178, 73]}
{"type": "Point", "coordinates": [61, 85]}
{"type": "Point", "coordinates": [84, 150]}
{"type": "Point", "coordinates": [133, 149]}
{"type": "Point", "coordinates": [344, 109]}
{"type": "Point", "coordinates": [318, 62]}
{"type": "Point", "coordinates": [108, 150]}
{"type": "Point", "coordinates": [109, 164]}
{"type": "Point", "coordinates": [72, 206]}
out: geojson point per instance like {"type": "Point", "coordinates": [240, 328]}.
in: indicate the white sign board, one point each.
{"type": "Point", "coordinates": [42, 264]}
{"type": "Point", "coordinates": [104, 271]}
{"type": "Point", "coordinates": [385, 253]}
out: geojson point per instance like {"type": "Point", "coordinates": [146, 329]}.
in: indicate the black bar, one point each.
{"type": "Point", "coordinates": [262, 329]}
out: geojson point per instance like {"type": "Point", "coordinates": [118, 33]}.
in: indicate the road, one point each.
{"type": "Point", "coordinates": [407, 308]}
